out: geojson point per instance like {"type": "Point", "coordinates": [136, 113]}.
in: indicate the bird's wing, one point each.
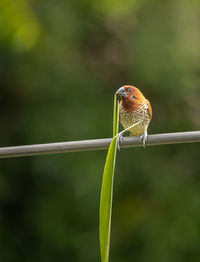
{"type": "Point", "coordinates": [149, 108]}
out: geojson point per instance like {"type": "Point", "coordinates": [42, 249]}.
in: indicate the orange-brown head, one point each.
{"type": "Point", "coordinates": [131, 97]}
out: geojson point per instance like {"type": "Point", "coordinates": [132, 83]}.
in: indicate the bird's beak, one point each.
{"type": "Point", "coordinates": [121, 92]}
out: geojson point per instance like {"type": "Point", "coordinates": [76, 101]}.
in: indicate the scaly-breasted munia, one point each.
{"type": "Point", "coordinates": [133, 108]}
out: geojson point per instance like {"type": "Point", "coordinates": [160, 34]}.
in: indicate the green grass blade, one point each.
{"type": "Point", "coordinates": [114, 116]}
{"type": "Point", "coordinates": [107, 190]}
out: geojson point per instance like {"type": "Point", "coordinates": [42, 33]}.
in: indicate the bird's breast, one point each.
{"type": "Point", "coordinates": [129, 118]}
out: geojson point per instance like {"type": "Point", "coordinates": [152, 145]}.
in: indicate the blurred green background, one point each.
{"type": "Point", "coordinates": [60, 65]}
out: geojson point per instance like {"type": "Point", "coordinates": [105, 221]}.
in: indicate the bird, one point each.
{"type": "Point", "coordinates": [134, 108]}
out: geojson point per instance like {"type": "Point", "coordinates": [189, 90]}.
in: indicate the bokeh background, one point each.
{"type": "Point", "coordinates": [60, 65]}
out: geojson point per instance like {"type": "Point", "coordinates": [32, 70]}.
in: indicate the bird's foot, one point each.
{"type": "Point", "coordinates": [143, 138]}
{"type": "Point", "coordinates": [119, 141]}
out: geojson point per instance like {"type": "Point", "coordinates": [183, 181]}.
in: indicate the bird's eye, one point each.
{"type": "Point", "coordinates": [134, 97]}
{"type": "Point", "coordinates": [130, 90]}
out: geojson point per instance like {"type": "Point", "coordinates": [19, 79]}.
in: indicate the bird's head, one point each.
{"type": "Point", "coordinates": [130, 92]}
{"type": "Point", "coordinates": [131, 97]}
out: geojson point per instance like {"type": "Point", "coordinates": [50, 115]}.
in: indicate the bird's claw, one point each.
{"type": "Point", "coordinates": [119, 141]}
{"type": "Point", "coordinates": [143, 138]}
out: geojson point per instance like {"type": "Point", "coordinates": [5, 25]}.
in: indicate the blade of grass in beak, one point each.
{"type": "Point", "coordinates": [107, 189]}
{"type": "Point", "coordinates": [115, 116]}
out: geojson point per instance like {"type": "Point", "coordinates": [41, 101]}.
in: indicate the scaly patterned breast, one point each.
{"type": "Point", "coordinates": [129, 118]}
